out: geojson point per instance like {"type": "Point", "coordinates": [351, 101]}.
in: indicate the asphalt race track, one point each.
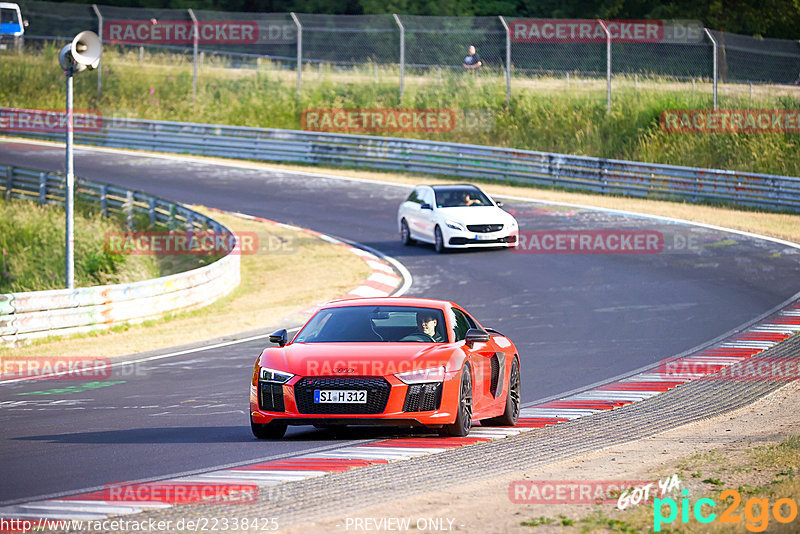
{"type": "Point", "coordinates": [576, 318]}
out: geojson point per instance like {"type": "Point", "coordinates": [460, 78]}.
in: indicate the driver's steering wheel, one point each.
{"type": "Point", "coordinates": [419, 336]}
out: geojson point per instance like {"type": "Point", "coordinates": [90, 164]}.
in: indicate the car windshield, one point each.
{"type": "Point", "coordinates": [455, 198]}
{"type": "Point", "coordinates": [374, 324]}
{"type": "Point", "coordinates": [9, 16]}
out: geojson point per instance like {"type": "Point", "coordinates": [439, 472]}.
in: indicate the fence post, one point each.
{"type": "Point", "coordinates": [42, 188]}
{"type": "Point", "coordinates": [9, 181]}
{"type": "Point", "coordinates": [608, 65]}
{"type": "Point", "coordinates": [299, 50]}
{"type": "Point", "coordinates": [508, 60]}
{"type": "Point", "coordinates": [195, 39]}
{"type": "Point", "coordinates": [152, 211]}
{"type": "Point", "coordinates": [104, 200]}
{"type": "Point", "coordinates": [129, 209]}
{"type": "Point", "coordinates": [99, 65]}
{"type": "Point", "coordinates": [716, 64]}
{"type": "Point", "coordinates": [402, 55]}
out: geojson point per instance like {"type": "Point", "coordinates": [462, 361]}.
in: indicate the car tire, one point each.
{"type": "Point", "coordinates": [438, 240]}
{"type": "Point", "coordinates": [268, 430]}
{"type": "Point", "coordinates": [463, 422]}
{"type": "Point", "coordinates": [405, 234]}
{"type": "Point", "coordinates": [511, 414]}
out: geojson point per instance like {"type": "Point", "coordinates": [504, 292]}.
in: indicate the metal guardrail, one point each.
{"type": "Point", "coordinates": [607, 176]}
{"type": "Point", "coordinates": [36, 314]}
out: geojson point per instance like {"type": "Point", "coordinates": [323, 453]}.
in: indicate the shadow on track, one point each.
{"type": "Point", "coordinates": [221, 434]}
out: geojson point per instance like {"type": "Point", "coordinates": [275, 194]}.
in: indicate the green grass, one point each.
{"type": "Point", "coordinates": [543, 114]}
{"type": "Point", "coordinates": [32, 250]}
{"type": "Point", "coordinates": [777, 462]}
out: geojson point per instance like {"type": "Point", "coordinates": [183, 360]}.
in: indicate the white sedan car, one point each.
{"type": "Point", "coordinates": [455, 216]}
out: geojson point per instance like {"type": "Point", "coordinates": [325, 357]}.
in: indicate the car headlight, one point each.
{"type": "Point", "coordinates": [455, 225]}
{"type": "Point", "coordinates": [421, 376]}
{"type": "Point", "coordinates": [276, 377]}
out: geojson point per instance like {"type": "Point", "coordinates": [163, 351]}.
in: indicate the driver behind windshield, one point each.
{"type": "Point", "coordinates": [469, 201]}
{"type": "Point", "coordinates": [426, 323]}
{"type": "Point", "coordinates": [461, 198]}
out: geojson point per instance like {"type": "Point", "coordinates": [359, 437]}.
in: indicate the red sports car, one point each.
{"type": "Point", "coordinates": [386, 361]}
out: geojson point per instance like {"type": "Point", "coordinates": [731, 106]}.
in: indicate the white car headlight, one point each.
{"type": "Point", "coordinates": [455, 225]}
{"type": "Point", "coordinates": [276, 377]}
{"type": "Point", "coordinates": [421, 376]}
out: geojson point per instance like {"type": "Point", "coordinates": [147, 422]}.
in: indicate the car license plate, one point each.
{"type": "Point", "coordinates": [483, 237]}
{"type": "Point", "coordinates": [340, 396]}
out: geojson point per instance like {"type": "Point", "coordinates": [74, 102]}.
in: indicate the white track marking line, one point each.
{"type": "Point", "coordinates": [551, 413]}
{"type": "Point", "coordinates": [85, 516]}
{"type": "Point", "coordinates": [366, 291]}
{"type": "Point", "coordinates": [383, 278]}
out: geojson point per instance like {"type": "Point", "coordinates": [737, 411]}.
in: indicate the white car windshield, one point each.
{"type": "Point", "coordinates": [457, 198]}
{"type": "Point", "coordinates": [374, 324]}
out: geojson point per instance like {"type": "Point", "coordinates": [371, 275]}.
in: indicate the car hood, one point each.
{"type": "Point", "coordinates": [356, 359]}
{"type": "Point", "coordinates": [477, 215]}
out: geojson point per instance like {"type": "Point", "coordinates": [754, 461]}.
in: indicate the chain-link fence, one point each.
{"type": "Point", "coordinates": [402, 49]}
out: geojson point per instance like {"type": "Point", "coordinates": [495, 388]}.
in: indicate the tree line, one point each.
{"type": "Point", "coordinates": [760, 18]}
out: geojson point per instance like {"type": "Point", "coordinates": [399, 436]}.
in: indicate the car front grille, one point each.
{"type": "Point", "coordinates": [484, 228]}
{"type": "Point", "coordinates": [423, 397]}
{"type": "Point", "coordinates": [270, 397]}
{"type": "Point", "coordinates": [377, 389]}
{"type": "Point", "coordinates": [465, 241]}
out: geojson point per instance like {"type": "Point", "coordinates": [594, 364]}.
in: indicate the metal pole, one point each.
{"type": "Point", "coordinates": [70, 187]}
{"type": "Point", "coordinates": [608, 65]}
{"type": "Point", "coordinates": [716, 64]}
{"type": "Point", "coordinates": [195, 39]}
{"type": "Point", "coordinates": [402, 55]}
{"type": "Point", "coordinates": [299, 51]}
{"type": "Point", "coordinates": [99, 65]}
{"type": "Point", "coordinates": [508, 60]}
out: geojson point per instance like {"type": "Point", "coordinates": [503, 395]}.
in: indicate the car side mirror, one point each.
{"type": "Point", "coordinates": [425, 206]}
{"type": "Point", "coordinates": [499, 203]}
{"type": "Point", "coordinates": [278, 337]}
{"type": "Point", "coordinates": [475, 335]}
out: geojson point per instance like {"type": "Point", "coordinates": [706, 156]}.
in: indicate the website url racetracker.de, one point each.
{"type": "Point", "coordinates": [201, 524]}
{"type": "Point", "coordinates": [611, 241]}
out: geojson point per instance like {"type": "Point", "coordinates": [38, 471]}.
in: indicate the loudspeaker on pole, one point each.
{"type": "Point", "coordinates": [82, 53]}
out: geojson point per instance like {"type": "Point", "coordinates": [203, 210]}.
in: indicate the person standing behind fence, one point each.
{"type": "Point", "coordinates": [473, 60]}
